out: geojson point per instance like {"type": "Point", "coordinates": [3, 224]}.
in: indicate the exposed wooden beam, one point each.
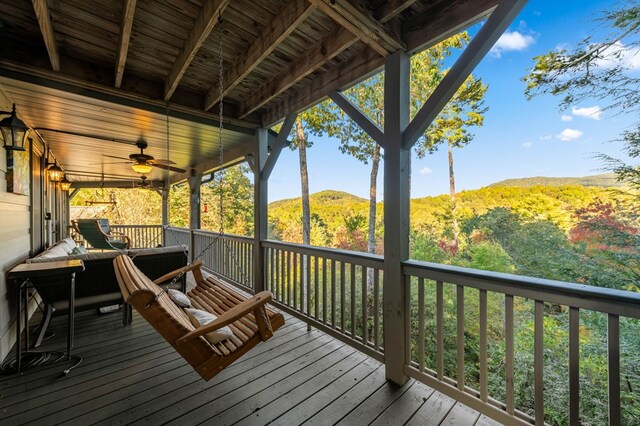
{"type": "Point", "coordinates": [316, 56]}
{"type": "Point", "coordinates": [369, 62]}
{"type": "Point", "coordinates": [276, 149]}
{"type": "Point", "coordinates": [358, 116]}
{"type": "Point", "coordinates": [115, 184]}
{"type": "Point", "coordinates": [479, 46]}
{"type": "Point", "coordinates": [342, 77]}
{"type": "Point", "coordinates": [44, 20]}
{"type": "Point", "coordinates": [91, 89]}
{"type": "Point", "coordinates": [271, 36]}
{"type": "Point", "coordinates": [205, 22]}
{"type": "Point", "coordinates": [390, 9]}
{"type": "Point", "coordinates": [128, 10]}
{"type": "Point", "coordinates": [361, 24]}
{"type": "Point", "coordinates": [231, 157]}
{"type": "Point", "coordinates": [443, 20]}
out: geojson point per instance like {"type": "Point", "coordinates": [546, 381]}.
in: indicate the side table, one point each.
{"type": "Point", "coordinates": [47, 273]}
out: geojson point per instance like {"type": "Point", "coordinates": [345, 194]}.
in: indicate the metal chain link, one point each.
{"type": "Point", "coordinates": [221, 123]}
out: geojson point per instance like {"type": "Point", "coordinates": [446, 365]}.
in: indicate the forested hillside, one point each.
{"type": "Point", "coordinates": [605, 180]}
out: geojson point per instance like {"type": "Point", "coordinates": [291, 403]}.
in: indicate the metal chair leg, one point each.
{"type": "Point", "coordinates": [44, 324]}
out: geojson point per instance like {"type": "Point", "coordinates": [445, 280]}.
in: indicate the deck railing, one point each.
{"type": "Point", "coordinates": [229, 256]}
{"type": "Point", "coordinates": [140, 236]}
{"type": "Point", "coordinates": [460, 321]}
{"type": "Point", "coordinates": [338, 291]}
{"type": "Point", "coordinates": [490, 297]}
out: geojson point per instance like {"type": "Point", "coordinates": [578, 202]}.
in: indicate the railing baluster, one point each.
{"type": "Point", "coordinates": [364, 307]}
{"type": "Point", "coordinates": [508, 333]}
{"type": "Point", "coordinates": [342, 294]}
{"type": "Point", "coordinates": [333, 293]}
{"type": "Point", "coordinates": [538, 363]}
{"type": "Point", "coordinates": [421, 323]}
{"type": "Point", "coordinates": [352, 269]}
{"type": "Point", "coordinates": [324, 290]}
{"type": "Point", "coordinates": [439, 330]}
{"type": "Point", "coordinates": [308, 284]}
{"type": "Point", "coordinates": [574, 366]}
{"type": "Point", "coordinates": [376, 307]}
{"type": "Point", "coordinates": [460, 335]}
{"type": "Point", "coordinates": [483, 346]}
{"type": "Point", "coordinates": [613, 356]}
{"type": "Point", "coordinates": [316, 287]}
{"type": "Point", "coordinates": [296, 270]}
{"type": "Point", "coordinates": [288, 278]}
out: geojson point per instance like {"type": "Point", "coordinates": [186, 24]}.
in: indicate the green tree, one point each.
{"type": "Point", "coordinates": [599, 71]}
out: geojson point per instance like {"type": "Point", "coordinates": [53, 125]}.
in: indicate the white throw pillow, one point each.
{"type": "Point", "coordinates": [179, 298]}
{"type": "Point", "coordinates": [199, 318]}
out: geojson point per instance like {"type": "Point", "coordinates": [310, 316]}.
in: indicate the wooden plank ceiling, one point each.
{"type": "Point", "coordinates": [278, 57]}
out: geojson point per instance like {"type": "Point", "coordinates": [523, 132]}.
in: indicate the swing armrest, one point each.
{"type": "Point", "coordinates": [177, 272]}
{"type": "Point", "coordinates": [250, 305]}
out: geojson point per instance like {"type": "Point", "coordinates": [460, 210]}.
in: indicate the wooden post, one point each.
{"type": "Point", "coordinates": [260, 200]}
{"type": "Point", "coordinates": [397, 166]}
{"type": "Point", "coordinates": [194, 199]}
{"type": "Point", "coordinates": [165, 212]}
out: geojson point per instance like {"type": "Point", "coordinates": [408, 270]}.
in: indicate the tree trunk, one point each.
{"type": "Point", "coordinates": [373, 188]}
{"type": "Point", "coordinates": [306, 214]}
{"type": "Point", "coordinates": [452, 193]}
{"type": "Point", "coordinates": [304, 181]}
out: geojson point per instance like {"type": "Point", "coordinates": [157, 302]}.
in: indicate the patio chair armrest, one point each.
{"type": "Point", "coordinates": [183, 270]}
{"type": "Point", "coordinates": [255, 304]}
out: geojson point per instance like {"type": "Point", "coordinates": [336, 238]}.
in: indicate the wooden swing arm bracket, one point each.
{"type": "Point", "coordinates": [183, 270]}
{"type": "Point", "coordinates": [255, 304]}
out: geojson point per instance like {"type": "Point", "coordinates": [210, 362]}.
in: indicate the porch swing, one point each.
{"type": "Point", "coordinates": [248, 319]}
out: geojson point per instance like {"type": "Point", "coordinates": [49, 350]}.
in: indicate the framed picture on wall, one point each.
{"type": "Point", "coordinates": [19, 170]}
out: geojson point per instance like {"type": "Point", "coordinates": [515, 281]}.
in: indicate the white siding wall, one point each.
{"type": "Point", "coordinates": [15, 243]}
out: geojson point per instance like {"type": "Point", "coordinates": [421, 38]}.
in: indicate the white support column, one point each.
{"type": "Point", "coordinates": [397, 166]}
{"type": "Point", "coordinates": [260, 200]}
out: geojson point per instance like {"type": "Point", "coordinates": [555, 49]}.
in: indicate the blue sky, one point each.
{"type": "Point", "coordinates": [520, 138]}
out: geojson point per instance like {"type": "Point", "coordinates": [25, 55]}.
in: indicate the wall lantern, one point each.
{"type": "Point", "coordinates": [13, 131]}
{"type": "Point", "coordinates": [55, 173]}
{"type": "Point", "coordinates": [65, 184]}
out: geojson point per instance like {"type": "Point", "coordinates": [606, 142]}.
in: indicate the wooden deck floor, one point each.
{"type": "Point", "coordinates": [130, 375]}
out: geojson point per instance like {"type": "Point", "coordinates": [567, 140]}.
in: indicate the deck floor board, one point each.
{"type": "Point", "coordinates": [130, 375]}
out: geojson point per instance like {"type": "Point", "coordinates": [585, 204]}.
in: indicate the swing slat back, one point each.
{"type": "Point", "coordinates": [172, 323]}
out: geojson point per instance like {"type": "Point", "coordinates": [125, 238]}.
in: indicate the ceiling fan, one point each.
{"type": "Point", "coordinates": [143, 183]}
{"type": "Point", "coordinates": [143, 163]}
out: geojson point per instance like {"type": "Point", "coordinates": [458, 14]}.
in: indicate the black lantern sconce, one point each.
{"type": "Point", "coordinates": [13, 131]}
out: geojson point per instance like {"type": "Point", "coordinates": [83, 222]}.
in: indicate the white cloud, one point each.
{"type": "Point", "coordinates": [619, 55]}
{"type": "Point", "coordinates": [545, 137]}
{"type": "Point", "coordinates": [511, 41]}
{"type": "Point", "coordinates": [569, 134]}
{"type": "Point", "coordinates": [425, 171]}
{"type": "Point", "coordinates": [527, 144]}
{"type": "Point", "coordinates": [566, 117]}
{"type": "Point", "coordinates": [593, 112]}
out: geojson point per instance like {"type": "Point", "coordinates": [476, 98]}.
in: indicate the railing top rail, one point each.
{"type": "Point", "coordinates": [224, 236]}
{"type": "Point", "coordinates": [365, 259]}
{"type": "Point", "coordinates": [578, 295]}
{"type": "Point", "coordinates": [135, 226]}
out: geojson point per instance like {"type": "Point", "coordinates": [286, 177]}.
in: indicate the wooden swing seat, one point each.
{"type": "Point", "coordinates": [248, 317]}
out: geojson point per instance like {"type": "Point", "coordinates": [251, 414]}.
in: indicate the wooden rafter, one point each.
{"type": "Point", "coordinates": [271, 36]}
{"type": "Point", "coordinates": [128, 10]}
{"type": "Point", "coordinates": [390, 9]}
{"type": "Point", "coordinates": [446, 22]}
{"type": "Point", "coordinates": [361, 24]}
{"type": "Point", "coordinates": [316, 56]}
{"type": "Point", "coordinates": [44, 21]}
{"type": "Point", "coordinates": [205, 23]}
{"type": "Point", "coordinates": [442, 21]}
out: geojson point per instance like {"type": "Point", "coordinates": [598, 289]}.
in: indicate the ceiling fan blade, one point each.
{"type": "Point", "coordinates": [117, 158]}
{"type": "Point", "coordinates": [114, 162]}
{"type": "Point", "coordinates": [170, 168]}
{"type": "Point", "coordinates": [159, 161]}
